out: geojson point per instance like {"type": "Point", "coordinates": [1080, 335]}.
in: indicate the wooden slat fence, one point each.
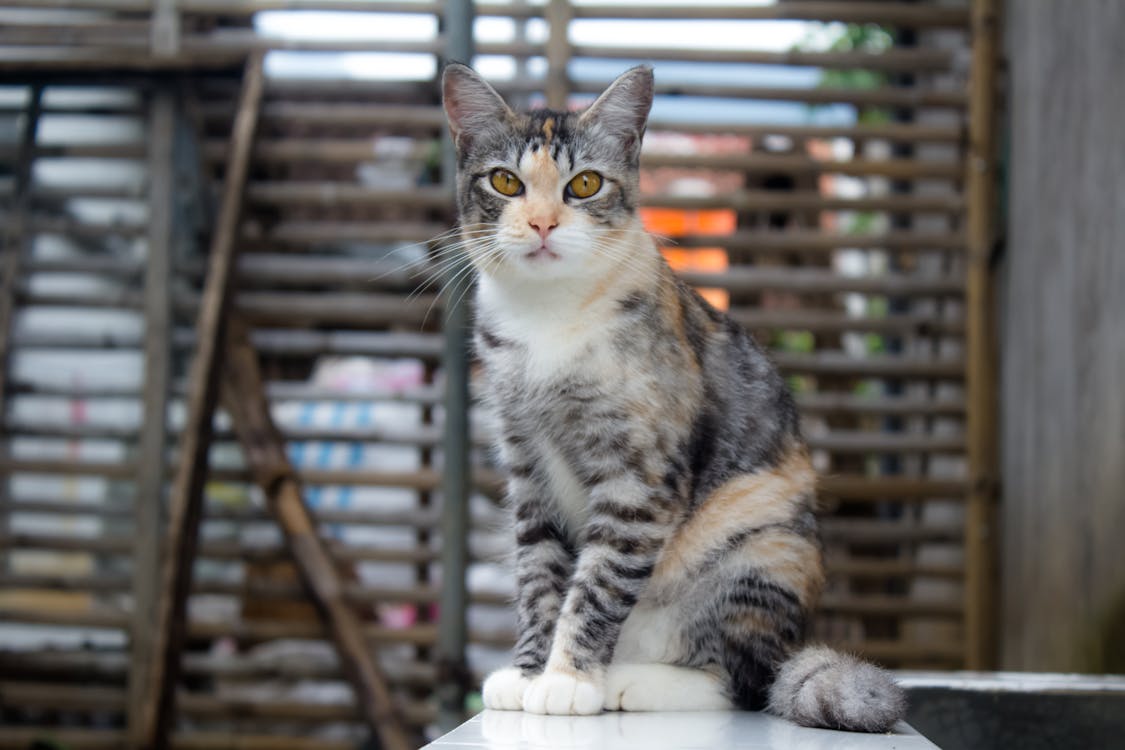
{"type": "Point", "coordinates": [820, 192]}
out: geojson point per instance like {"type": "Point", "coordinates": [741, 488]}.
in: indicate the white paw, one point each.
{"type": "Point", "coordinates": [560, 693]}
{"type": "Point", "coordinates": [662, 687]}
{"type": "Point", "coordinates": [504, 689]}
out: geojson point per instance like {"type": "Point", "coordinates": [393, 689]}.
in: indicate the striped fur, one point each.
{"type": "Point", "coordinates": [667, 553]}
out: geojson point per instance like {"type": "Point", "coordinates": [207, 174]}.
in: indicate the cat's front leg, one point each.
{"type": "Point", "coordinates": [628, 524]}
{"type": "Point", "coordinates": [544, 560]}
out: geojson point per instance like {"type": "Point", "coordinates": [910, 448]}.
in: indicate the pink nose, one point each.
{"type": "Point", "coordinates": [543, 226]}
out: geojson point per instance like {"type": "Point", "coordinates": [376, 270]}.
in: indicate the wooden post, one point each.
{"type": "Point", "coordinates": [981, 533]}
{"type": "Point", "coordinates": [153, 434]}
{"type": "Point", "coordinates": [558, 14]}
{"type": "Point", "coordinates": [14, 249]}
{"type": "Point", "coordinates": [243, 394]}
{"type": "Point", "coordinates": [165, 39]}
{"type": "Point", "coordinates": [453, 673]}
{"type": "Point", "coordinates": [186, 499]}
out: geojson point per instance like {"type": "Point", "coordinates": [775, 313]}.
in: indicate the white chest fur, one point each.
{"type": "Point", "coordinates": [556, 330]}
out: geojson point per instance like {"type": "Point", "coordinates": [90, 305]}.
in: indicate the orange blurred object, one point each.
{"type": "Point", "coordinates": [667, 222]}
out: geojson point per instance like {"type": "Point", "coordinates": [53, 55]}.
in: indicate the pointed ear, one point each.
{"type": "Point", "coordinates": [471, 105]}
{"type": "Point", "coordinates": [622, 109]}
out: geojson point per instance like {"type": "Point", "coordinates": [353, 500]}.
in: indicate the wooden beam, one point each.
{"type": "Point", "coordinates": [557, 86]}
{"type": "Point", "coordinates": [186, 500]}
{"type": "Point", "coordinates": [982, 536]}
{"type": "Point", "coordinates": [153, 430]}
{"type": "Point", "coordinates": [243, 395]}
{"type": "Point", "coordinates": [11, 265]}
{"type": "Point", "coordinates": [165, 37]}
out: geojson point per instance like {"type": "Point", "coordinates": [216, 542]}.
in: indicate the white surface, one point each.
{"type": "Point", "coordinates": [703, 730]}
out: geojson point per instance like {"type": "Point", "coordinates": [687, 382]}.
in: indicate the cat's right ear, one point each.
{"type": "Point", "coordinates": [471, 105]}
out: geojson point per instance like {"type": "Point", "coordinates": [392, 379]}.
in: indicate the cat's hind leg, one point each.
{"type": "Point", "coordinates": [663, 687]}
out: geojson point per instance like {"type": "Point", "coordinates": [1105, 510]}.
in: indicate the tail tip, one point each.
{"type": "Point", "coordinates": [819, 687]}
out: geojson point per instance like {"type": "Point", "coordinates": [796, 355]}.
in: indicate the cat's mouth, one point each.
{"type": "Point", "coordinates": [543, 254]}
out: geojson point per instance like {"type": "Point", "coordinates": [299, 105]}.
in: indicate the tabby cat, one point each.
{"type": "Point", "coordinates": [667, 553]}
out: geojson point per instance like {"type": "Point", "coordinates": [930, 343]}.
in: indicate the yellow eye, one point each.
{"type": "Point", "coordinates": [506, 183]}
{"type": "Point", "coordinates": [585, 185]}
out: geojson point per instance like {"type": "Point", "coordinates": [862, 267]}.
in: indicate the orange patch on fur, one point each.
{"type": "Point", "coordinates": [549, 129]}
{"type": "Point", "coordinates": [753, 621]}
{"type": "Point", "coordinates": [745, 502]}
{"type": "Point", "coordinates": [543, 204]}
{"type": "Point", "coordinates": [790, 561]}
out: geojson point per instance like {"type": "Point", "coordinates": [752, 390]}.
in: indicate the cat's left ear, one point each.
{"type": "Point", "coordinates": [622, 109]}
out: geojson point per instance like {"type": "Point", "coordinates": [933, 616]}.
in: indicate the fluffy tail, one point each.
{"type": "Point", "coordinates": [819, 687]}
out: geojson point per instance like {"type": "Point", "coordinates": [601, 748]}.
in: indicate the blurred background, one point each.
{"type": "Point", "coordinates": [918, 207]}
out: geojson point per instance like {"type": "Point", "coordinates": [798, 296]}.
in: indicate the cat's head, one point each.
{"type": "Point", "coordinates": [547, 195]}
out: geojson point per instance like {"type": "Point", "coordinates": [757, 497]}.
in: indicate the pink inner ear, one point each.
{"type": "Point", "coordinates": [470, 103]}
{"type": "Point", "coordinates": [623, 108]}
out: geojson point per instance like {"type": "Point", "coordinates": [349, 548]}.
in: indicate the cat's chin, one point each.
{"type": "Point", "coordinates": [542, 255]}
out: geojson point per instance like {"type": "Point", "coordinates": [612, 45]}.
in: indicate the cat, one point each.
{"type": "Point", "coordinates": [667, 554]}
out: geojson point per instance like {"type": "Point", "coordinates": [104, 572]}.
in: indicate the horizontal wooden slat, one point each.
{"type": "Point", "coordinates": [376, 310]}
{"type": "Point", "coordinates": [201, 740]}
{"type": "Point", "coordinates": [348, 150]}
{"type": "Point", "coordinates": [62, 467]}
{"type": "Point", "coordinates": [80, 150]}
{"type": "Point", "coordinates": [821, 281]}
{"type": "Point", "coordinates": [290, 232]}
{"type": "Point", "coordinates": [335, 150]}
{"type": "Point", "coordinates": [112, 667]}
{"type": "Point", "coordinates": [227, 41]}
{"type": "Point", "coordinates": [421, 479]}
{"type": "Point", "coordinates": [927, 16]}
{"type": "Point", "coordinates": [94, 545]}
{"type": "Point", "coordinates": [279, 391]}
{"type": "Point", "coordinates": [872, 568]}
{"type": "Point", "coordinates": [837, 321]}
{"type": "Point", "coordinates": [892, 606]}
{"type": "Point", "coordinates": [294, 232]}
{"type": "Point", "coordinates": [431, 120]}
{"type": "Point", "coordinates": [915, 16]}
{"type": "Point", "coordinates": [839, 441]}
{"type": "Point", "coordinates": [853, 531]}
{"type": "Point", "coordinates": [91, 264]}
{"type": "Point", "coordinates": [889, 405]}
{"type": "Point", "coordinates": [337, 194]}
{"type": "Point", "coordinates": [343, 194]}
{"type": "Point", "coordinates": [805, 200]}
{"type": "Point", "coordinates": [21, 738]}
{"type": "Point", "coordinates": [208, 707]}
{"type": "Point", "coordinates": [343, 89]}
{"type": "Point", "coordinates": [757, 163]}
{"type": "Point", "coordinates": [855, 441]}
{"type": "Point", "coordinates": [887, 60]}
{"type": "Point", "coordinates": [887, 366]}
{"type": "Point", "coordinates": [109, 619]}
{"type": "Point", "coordinates": [49, 506]}
{"type": "Point", "coordinates": [890, 488]}
{"type": "Point", "coordinates": [251, 630]}
{"type": "Point", "coordinates": [42, 695]}
{"type": "Point", "coordinates": [75, 228]}
{"type": "Point", "coordinates": [914, 97]}
{"type": "Point", "coordinates": [892, 131]}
